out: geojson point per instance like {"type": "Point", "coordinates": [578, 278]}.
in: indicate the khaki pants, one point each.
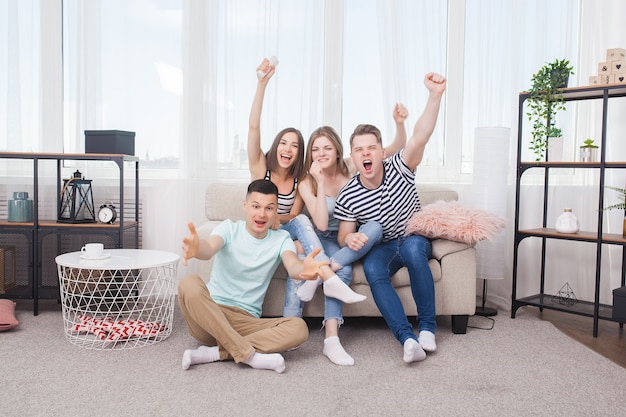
{"type": "Point", "coordinates": [237, 333]}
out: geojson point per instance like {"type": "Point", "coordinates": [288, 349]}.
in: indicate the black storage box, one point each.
{"type": "Point", "coordinates": [110, 141]}
{"type": "Point", "coordinates": [619, 304]}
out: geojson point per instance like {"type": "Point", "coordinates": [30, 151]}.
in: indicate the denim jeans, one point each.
{"type": "Point", "coordinates": [385, 260]}
{"type": "Point", "coordinates": [301, 229]}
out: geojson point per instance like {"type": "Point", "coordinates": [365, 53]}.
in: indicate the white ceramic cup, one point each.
{"type": "Point", "coordinates": [92, 250]}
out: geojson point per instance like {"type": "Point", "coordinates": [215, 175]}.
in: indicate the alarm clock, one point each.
{"type": "Point", "coordinates": [107, 213]}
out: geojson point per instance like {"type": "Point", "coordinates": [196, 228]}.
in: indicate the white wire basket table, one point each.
{"type": "Point", "coordinates": [122, 300]}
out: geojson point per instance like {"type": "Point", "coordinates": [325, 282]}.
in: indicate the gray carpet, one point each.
{"type": "Point", "coordinates": [522, 367]}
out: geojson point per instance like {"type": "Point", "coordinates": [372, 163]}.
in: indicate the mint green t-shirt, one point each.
{"type": "Point", "coordinates": [243, 268]}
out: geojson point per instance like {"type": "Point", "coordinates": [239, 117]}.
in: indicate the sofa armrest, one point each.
{"type": "Point", "coordinates": [456, 291]}
{"type": "Point", "coordinates": [443, 247]}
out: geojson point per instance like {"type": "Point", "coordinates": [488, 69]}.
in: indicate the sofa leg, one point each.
{"type": "Point", "coordinates": [459, 324]}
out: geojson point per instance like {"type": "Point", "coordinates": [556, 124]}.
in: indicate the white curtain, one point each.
{"type": "Point", "coordinates": [410, 43]}
{"type": "Point", "coordinates": [198, 83]}
{"type": "Point", "coordinates": [180, 74]}
{"type": "Point", "coordinates": [31, 65]}
{"type": "Point", "coordinates": [223, 42]}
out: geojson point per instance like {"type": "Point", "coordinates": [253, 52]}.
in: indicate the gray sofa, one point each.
{"type": "Point", "coordinates": [453, 265]}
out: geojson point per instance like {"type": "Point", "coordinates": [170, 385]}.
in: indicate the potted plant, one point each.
{"type": "Point", "coordinates": [588, 151]}
{"type": "Point", "coordinates": [544, 100]}
{"type": "Point", "coordinates": [555, 143]}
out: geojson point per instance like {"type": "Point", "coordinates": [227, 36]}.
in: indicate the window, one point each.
{"type": "Point", "coordinates": [505, 43]}
{"type": "Point", "coordinates": [122, 71]}
{"type": "Point", "coordinates": [389, 47]}
{"type": "Point", "coordinates": [19, 78]}
{"type": "Point", "coordinates": [181, 73]}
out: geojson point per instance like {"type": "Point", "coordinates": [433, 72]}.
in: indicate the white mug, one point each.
{"type": "Point", "coordinates": [92, 250]}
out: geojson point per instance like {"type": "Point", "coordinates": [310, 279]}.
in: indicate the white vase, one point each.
{"type": "Point", "coordinates": [555, 149]}
{"type": "Point", "coordinates": [588, 154]}
{"type": "Point", "coordinates": [567, 222]}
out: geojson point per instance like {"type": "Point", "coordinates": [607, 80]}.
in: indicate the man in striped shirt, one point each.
{"type": "Point", "coordinates": [384, 191]}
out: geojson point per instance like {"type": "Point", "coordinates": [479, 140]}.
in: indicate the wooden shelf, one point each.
{"type": "Point", "coordinates": [581, 235]}
{"type": "Point", "coordinates": [55, 224]}
{"type": "Point", "coordinates": [589, 92]}
{"type": "Point", "coordinates": [61, 225]}
{"type": "Point", "coordinates": [6, 223]}
{"type": "Point", "coordinates": [69, 156]}
{"type": "Point", "coordinates": [572, 164]}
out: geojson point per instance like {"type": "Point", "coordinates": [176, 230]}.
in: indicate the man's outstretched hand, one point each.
{"type": "Point", "coordinates": [190, 244]}
{"type": "Point", "coordinates": [311, 266]}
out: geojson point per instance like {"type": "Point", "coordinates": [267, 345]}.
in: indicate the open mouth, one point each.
{"type": "Point", "coordinates": [367, 165]}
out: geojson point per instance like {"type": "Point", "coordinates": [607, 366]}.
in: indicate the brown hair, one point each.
{"type": "Point", "coordinates": [365, 129]}
{"type": "Point", "coordinates": [333, 136]}
{"type": "Point", "coordinates": [297, 169]}
{"type": "Point", "coordinates": [262, 186]}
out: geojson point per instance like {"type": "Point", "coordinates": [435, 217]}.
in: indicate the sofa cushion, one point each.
{"type": "Point", "coordinates": [217, 207]}
{"type": "Point", "coordinates": [429, 193]}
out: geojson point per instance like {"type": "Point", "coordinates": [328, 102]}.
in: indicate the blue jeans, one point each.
{"type": "Point", "coordinates": [385, 260]}
{"type": "Point", "coordinates": [302, 229]}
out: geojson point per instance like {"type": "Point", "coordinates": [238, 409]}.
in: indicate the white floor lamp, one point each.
{"type": "Point", "coordinates": [489, 184]}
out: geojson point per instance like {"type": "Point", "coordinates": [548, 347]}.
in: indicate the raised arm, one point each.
{"type": "Point", "coordinates": [425, 125]}
{"type": "Point", "coordinates": [400, 114]}
{"type": "Point", "coordinates": [256, 156]}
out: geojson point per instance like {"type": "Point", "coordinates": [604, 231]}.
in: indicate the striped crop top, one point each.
{"type": "Point", "coordinates": [285, 201]}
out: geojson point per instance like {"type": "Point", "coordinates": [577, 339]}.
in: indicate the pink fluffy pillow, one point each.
{"type": "Point", "coordinates": [453, 221]}
{"type": "Point", "coordinates": [7, 315]}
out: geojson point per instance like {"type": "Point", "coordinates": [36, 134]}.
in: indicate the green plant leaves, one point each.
{"type": "Point", "coordinates": [544, 101]}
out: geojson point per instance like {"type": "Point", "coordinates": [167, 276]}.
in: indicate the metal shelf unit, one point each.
{"type": "Point", "coordinates": [594, 308]}
{"type": "Point", "coordinates": [41, 240]}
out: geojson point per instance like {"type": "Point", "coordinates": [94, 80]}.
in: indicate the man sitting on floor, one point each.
{"type": "Point", "coordinates": [224, 315]}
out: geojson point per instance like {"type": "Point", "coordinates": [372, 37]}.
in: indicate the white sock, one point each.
{"type": "Point", "coordinates": [336, 288]}
{"type": "Point", "coordinates": [335, 352]}
{"type": "Point", "coordinates": [306, 291]}
{"type": "Point", "coordinates": [204, 354]}
{"type": "Point", "coordinates": [413, 352]}
{"type": "Point", "coordinates": [270, 361]}
{"type": "Point", "coordinates": [427, 341]}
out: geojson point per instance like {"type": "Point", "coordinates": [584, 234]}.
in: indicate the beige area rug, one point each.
{"type": "Point", "coordinates": [522, 367]}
